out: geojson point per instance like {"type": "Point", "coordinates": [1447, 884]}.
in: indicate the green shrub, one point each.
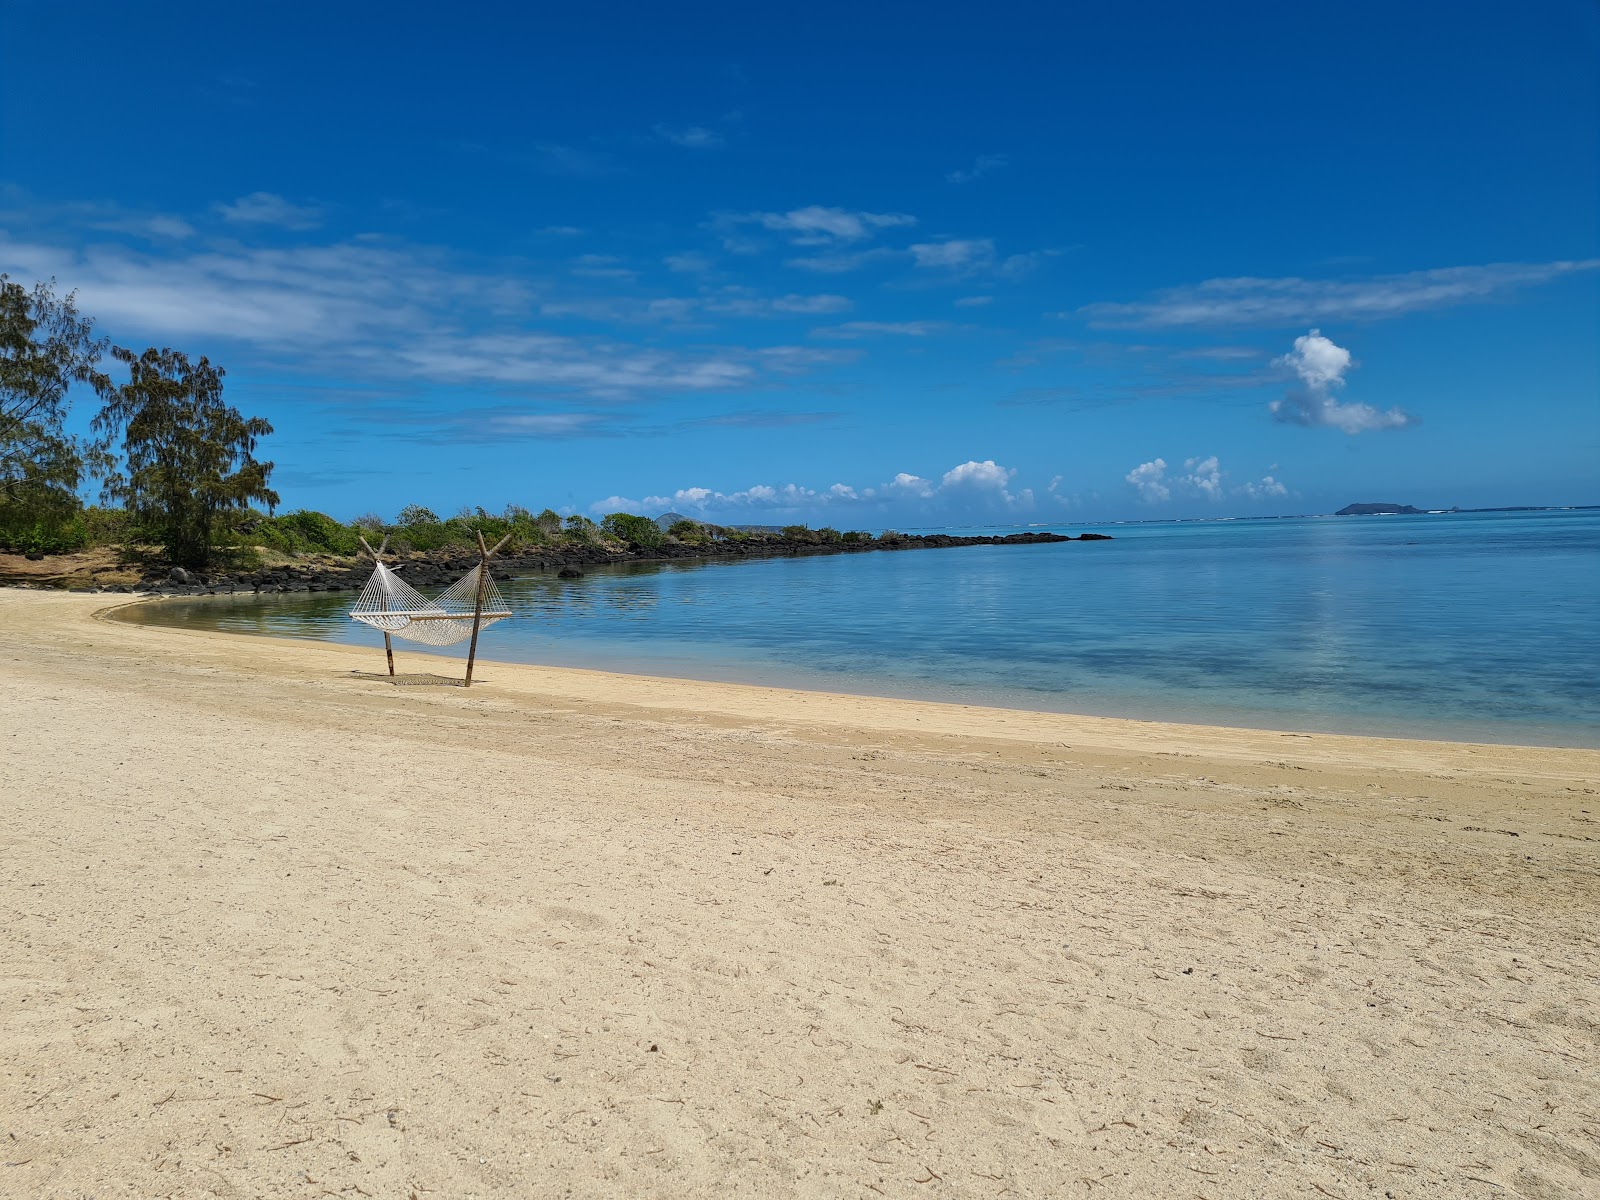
{"type": "Point", "coordinates": [415, 514]}
{"type": "Point", "coordinates": [855, 537]}
{"type": "Point", "coordinates": [634, 530]}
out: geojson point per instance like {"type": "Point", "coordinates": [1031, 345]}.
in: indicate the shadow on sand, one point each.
{"type": "Point", "coordinates": [416, 680]}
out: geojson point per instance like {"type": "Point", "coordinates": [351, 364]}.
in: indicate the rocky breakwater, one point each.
{"type": "Point", "coordinates": [431, 571]}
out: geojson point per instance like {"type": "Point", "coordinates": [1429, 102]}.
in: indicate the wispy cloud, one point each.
{"type": "Point", "coordinates": [957, 254]}
{"type": "Point", "coordinates": [269, 208]}
{"type": "Point", "coordinates": [981, 166]}
{"type": "Point", "coordinates": [813, 225]}
{"type": "Point", "coordinates": [836, 263]}
{"type": "Point", "coordinates": [1321, 366]}
{"type": "Point", "coordinates": [861, 329]}
{"type": "Point", "coordinates": [691, 137]}
{"type": "Point", "coordinates": [1250, 301]}
{"type": "Point", "coordinates": [369, 309]}
{"type": "Point", "coordinates": [573, 162]}
{"type": "Point", "coordinates": [688, 263]}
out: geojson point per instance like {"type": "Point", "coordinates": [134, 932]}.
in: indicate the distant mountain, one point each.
{"type": "Point", "coordinates": [1377, 510]}
{"type": "Point", "coordinates": [668, 519]}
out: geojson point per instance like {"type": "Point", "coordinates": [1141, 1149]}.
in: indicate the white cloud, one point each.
{"type": "Point", "coordinates": [156, 228]}
{"type": "Point", "coordinates": [957, 254]}
{"type": "Point", "coordinates": [691, 137]}
{"type": "Point", "coordinates": [811, 304]}
{"type": "Point", "coordinates": [981, 166]}
{"type": "Point", "coordinates": [840, 263]}
{"type": "Point", "coordinates": [1205, 476]}
{"type": "Point", "coordinates": [1321, 366]}
{"type": "Point", "coordinates": [377, 309]}
{"type": "Point", "coordinates": [1317, 361]}
{"type": "Point", "coordinates": [860, 329]}
{"type": "Point", "coordinates": [688, 264]}
{"type": "Point", "coordinates": [1268, 488]}
{"type": "Point", "coordinates": [971, 486]}
{"type": "Point", "coordinates": [986, 477]}
{"type": "Point", "coordinates": [914, 485]}
{"type": "Point", "coordinates": [1291, 301]}
{"type": "Point", "coordinates": [268, 208]}
{"type": "Point", "coordinates": [1149, 480]}
{"type": "Point", "coordinates": [813, 225]}
{"type": "Point", "coordinates": [1203, 479]}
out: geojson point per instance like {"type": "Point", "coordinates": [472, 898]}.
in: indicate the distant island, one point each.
{"type": "Point", "coordinates": [1378, 510]}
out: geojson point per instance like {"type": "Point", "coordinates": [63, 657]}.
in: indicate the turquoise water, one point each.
{"type": "Point", "coordinates": [1471, 626]}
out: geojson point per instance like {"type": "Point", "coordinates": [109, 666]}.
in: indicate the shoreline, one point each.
{"type": "Point", "coordinates": [322, 572]}
{"type": "Point", "coordinates": [1426, 731]}
{"type": "Point", "coordinates": [576, 933]}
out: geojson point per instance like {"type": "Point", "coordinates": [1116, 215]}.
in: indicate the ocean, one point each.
{"type": "Point", "coordinates": [1468, 626]}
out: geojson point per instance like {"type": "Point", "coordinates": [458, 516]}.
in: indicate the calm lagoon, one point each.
{"type": "Point", "coordinates": [1482, 627]}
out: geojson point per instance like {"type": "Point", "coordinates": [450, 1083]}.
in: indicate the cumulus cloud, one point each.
{"type": "Point", "coordinates": [981, 166]}
{"type": "Point", "coordinates": [1322, 366]}
{"type": "Point", "coordinates": [972, 486]}
{"type": "Point", "coordinates": [1149, 480]}
{"type": "Point", "coordinates": [1267, 488]}
{"type": "Point", "coordinates": [1205, 476]}
{"type": "Point", "coordinates": [269, 208]}
{"type": "Point", "coordinates": [1290, 301]}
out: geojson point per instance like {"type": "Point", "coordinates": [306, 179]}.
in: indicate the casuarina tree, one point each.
{"type": "Point", "coordinates": [45, 348]}
{"type": "Point", "coordinates": [190, 458]}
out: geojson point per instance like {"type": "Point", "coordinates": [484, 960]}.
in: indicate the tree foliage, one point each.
{"type": "Point", "coordinates": [633, 529]}
{"type": "Point", "coordinates": [45, 349]}
{"type": "Point", "coordinates": [190, 457]}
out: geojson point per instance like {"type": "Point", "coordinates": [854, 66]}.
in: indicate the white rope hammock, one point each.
{"type": "Point", "coordinates": [391, 604]}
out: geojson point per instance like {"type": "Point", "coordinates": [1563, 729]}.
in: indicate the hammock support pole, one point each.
{"type": "Point", "coordinates": [377, 557]}
{"type": "Point", "coordinates": [484, 554]}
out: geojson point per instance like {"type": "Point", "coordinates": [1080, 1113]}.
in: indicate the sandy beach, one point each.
{"type": "Point", "coordinates": [275, 929]}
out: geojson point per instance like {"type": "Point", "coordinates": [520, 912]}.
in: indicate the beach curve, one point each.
{"type": "Point", "coordinates": [269, 922]}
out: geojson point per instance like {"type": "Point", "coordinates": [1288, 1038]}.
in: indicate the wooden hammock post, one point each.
{"type": "Point", "coordinates": [377, 557]}
{"type": "Point", "coordinates": [484, 554]}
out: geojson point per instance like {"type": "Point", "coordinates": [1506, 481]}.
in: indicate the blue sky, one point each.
{"type": "Point", "coordinates": [865, 265]}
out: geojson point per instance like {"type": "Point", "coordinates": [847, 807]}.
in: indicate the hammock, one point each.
{"type": "Point", "coordinates": [391, 604]}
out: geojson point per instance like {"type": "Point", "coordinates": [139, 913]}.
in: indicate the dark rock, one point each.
{"type": "Point", "coordinates": [569, 573]}
{"type": "Point", "coordinates": [1094, 537]}
{"type": "Point", "coordinates": [179, 575]}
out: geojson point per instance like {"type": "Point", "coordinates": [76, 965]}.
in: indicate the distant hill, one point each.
{"type": "Point", "coordinates": [668, 519]}
{"type": "Point", "coordinates": [1377, 510]}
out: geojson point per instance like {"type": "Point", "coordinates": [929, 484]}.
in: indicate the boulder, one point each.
{"type": "Point", "coordinates": [569, 573]}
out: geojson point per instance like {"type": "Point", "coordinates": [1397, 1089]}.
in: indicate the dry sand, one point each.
{"type": "Point", "coordinates": [273, 930]}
